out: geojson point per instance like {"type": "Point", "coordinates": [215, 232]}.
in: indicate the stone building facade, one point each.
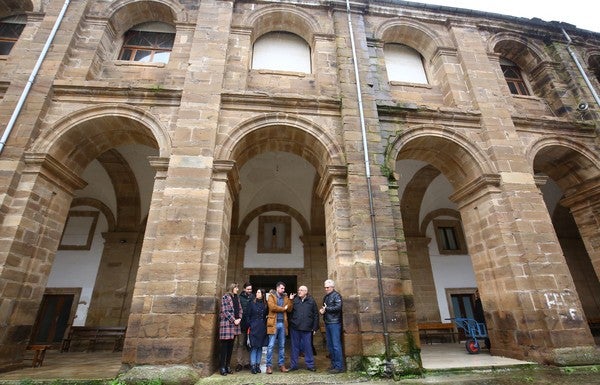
{"type": "Point", "coordinates": [157, 150]}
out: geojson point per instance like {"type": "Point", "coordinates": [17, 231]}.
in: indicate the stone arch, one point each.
{"type": "Point", "coordinates": [82, 136]}
{"type": "Point", "coordinates": [124, 14]}
{"type": "Point", "coordinates": [274, 207]}
{"type": "Point", "coordinates": [271, 132]}
{"type": "Point", "coordinates": [17, 7]}
{"type": "Point", "coordinates": [412, 198]}
{"type": "Point", "coordinates": [518, 49]}
{"type": "Point", "coordinates": [447, 150]}
{"type": "Point", "coordinates": [103, 208]}
{"type": "Point", "coordinates": [126, 189]}
{"type": "Point", "coordinates": [437, 213]}
{"type": "Point", "coordinates": [592, 58]}
{"type": "Point", "coordinates": [283, 18]}
{"type": "Point", "coordinates": [566, 161]}
{"type": "Point", "coordinates": [411, 33]}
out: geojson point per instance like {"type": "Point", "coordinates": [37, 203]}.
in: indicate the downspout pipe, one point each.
{"type": "Point", "coordinates": [580, 68]}
{"type": "Point", "coordinates": [34, 72]}
{"type": "Point", "coordinates": [386, 336]}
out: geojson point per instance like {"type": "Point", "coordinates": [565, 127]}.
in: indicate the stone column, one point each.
{"type": "Point", "coordinates": [426, 303]}
{"type": "Point", "coordinates": [366, 337]}
{"type": "Point", "coordinates": [584, 203]}
{"type": "Point", "coordinates": [29, 238]}
{"type": "Point", "coordinates": [111, 298]}
{"type": "Point", "coordinates": [235, 262]}
{"type": "Point", "coordinates": [529, 299]}
{"type": "Point", "coordinates": [212, 284]}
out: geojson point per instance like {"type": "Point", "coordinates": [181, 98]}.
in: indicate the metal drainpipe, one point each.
{"type": "Point", "coordinates": [17, 111]}
{"type": "Point", "coordinates": [580, 68]}
{"type": "Point", "coordinates": [369, 188]}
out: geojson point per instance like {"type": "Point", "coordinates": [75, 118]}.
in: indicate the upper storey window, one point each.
{"type": "Point", "coordinates": [281, 51]}
{"type": "Point", "coordinates": [10, 30]}
{"type": "Point", "coordinates": [514, 78]}
{"type": "Point", "coordinates": [149, 43]}
{"type": "Point", "coordinates": [404, 64]}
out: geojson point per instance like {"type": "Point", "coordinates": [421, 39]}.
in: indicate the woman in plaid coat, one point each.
{"type": "Point", "coordinates": [229, 326]}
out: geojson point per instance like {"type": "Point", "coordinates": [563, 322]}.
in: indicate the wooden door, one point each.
{"type": "Point", "coordinates": [53, 319]}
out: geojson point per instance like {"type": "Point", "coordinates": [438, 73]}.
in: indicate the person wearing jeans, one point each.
{"type": "Point", "coordinates": [304, 321]}
{"type": "Point", "coordinates": [332, 316]}
{"type": "Point", "coordinates": [277, 324]}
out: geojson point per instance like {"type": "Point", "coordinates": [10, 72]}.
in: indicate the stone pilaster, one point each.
{"type": "Point", "coordinates": [530, 303]}
{"type": "Point", "coordinates": [30, 235]}
{"type": "Point", "coordinates": [584, 204]}
{"type": "Point", "coordinates": [426, 302]}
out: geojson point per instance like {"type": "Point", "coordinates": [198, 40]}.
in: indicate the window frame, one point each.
{"type": "Point", "coordinates": [18, 20]}
{"type": "Point", "coordinates": [517, 84]}
{"type": "Point", "coordinates": [260, 67]}
{"type": "Point", "coordinates": [389, 65]}
{"type": "Point", "coordinates": [144, 31]}
{"type": "Point", "coordinates": [456, 227]}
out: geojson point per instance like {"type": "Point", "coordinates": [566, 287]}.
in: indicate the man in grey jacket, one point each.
{"type": "Point", "coordinates": [332, 316]}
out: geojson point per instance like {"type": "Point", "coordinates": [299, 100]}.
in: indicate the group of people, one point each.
{"type": "Point", "coordinates": [251, 320]}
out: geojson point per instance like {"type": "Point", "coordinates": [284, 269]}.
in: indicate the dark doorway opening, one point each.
{"type": "Point", "coordinates": [268, 282]}
{"type": "Point", "coordinates": [53, 319]}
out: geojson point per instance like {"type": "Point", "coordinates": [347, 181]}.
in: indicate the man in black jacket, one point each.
{"type": "Point", "coordinates": [332, 316]}
{"type": "Point", "coordinates": [242, 354]}
{"type": "Point", "coordinates": [304, 321]}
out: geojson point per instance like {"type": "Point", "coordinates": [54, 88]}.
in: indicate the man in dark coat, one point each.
{"type": "Point", "coordinates": [241, 349]}
{"type": "Point", "coordinates": [304, 321]}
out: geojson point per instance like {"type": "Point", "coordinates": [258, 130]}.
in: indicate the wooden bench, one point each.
{"type": "Point", "coordinates": [39, 352]}
{"type": "Point", "coordinates": [440, 331]}
{"type": "Point", "coordinates": [94, 334]}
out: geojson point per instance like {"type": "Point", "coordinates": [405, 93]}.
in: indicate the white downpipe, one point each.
{"type": "Point", "coordinates": [580, 68]}
{"type": "Point", "coordinates": [17, 111]}
{"type": "Point", "coordinates": [370, 191]}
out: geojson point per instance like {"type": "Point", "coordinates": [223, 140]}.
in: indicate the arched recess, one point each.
{"type": "Point", "coordinates": [448, 151]}
{"type": "Point", "coordinates": [104, 209]}
{"type": "Point", "coordinates": [283, 18]}
{"type": "Point", "coordinates": [77, 139]}
{"type": "Point", "coordinates": [124, 14]}
{"type": "Point", "coordinates": [114, 143]}
{"type": "Point", "coordinates": [274, 207]}
{"type": "Point", "coordinates": [413, 34]}
{"type": "Point", "coordinates": [432, 162]}
{"type": "Point", "coordinates": [517, 49]}
{"type": "Point", "coordinates": [566, 161]}
{"type": "Point", "coordinates": [573, 202]}
{"type": "Point", "coordinates": [15, 7]}
{"type": "Point", "coordinates": [280, 132]}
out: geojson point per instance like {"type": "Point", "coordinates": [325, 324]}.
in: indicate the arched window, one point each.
{"type": "Point", "coordinates": [281, 51]}
{"type": "Point", "coordinates": [10, 30]}
{"type": "Point", "coordinates": [150, 42]}
{"type": "Point", "coordinates": [594, 65]}
{"type": "Point", "coordinates": [404, 64]}
{"type": "Point", "coordinates": [514, 78]}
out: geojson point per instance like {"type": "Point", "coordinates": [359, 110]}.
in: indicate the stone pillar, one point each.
{"type": "Point", "coordinates": [530, 303]}
{"type": "Point", "coordinates": [426, 304]}
{"type": "Point", "coordinates": [29, 238]}
{"type": "Point", "coordinates": [235, 262]}
{"type": "Point", "coordinates": [213, 271]}
{"type": "Point", "coordinates": [111, 298]}
{"type": "Point", "coordinates": [366, 337]}
{"type": "Point", "coordinates": [584, 203]}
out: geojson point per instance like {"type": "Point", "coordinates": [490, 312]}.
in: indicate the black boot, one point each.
{"type": "Point", "coordinates": [223, 371]}
{"type": "Point", "coordinates": [229, 370]}
{"type": "Point", "coordinates": [253, 369]}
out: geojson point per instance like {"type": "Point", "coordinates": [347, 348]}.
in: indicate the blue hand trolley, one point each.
{"type": "Point", "coordinates": [474, 331]}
